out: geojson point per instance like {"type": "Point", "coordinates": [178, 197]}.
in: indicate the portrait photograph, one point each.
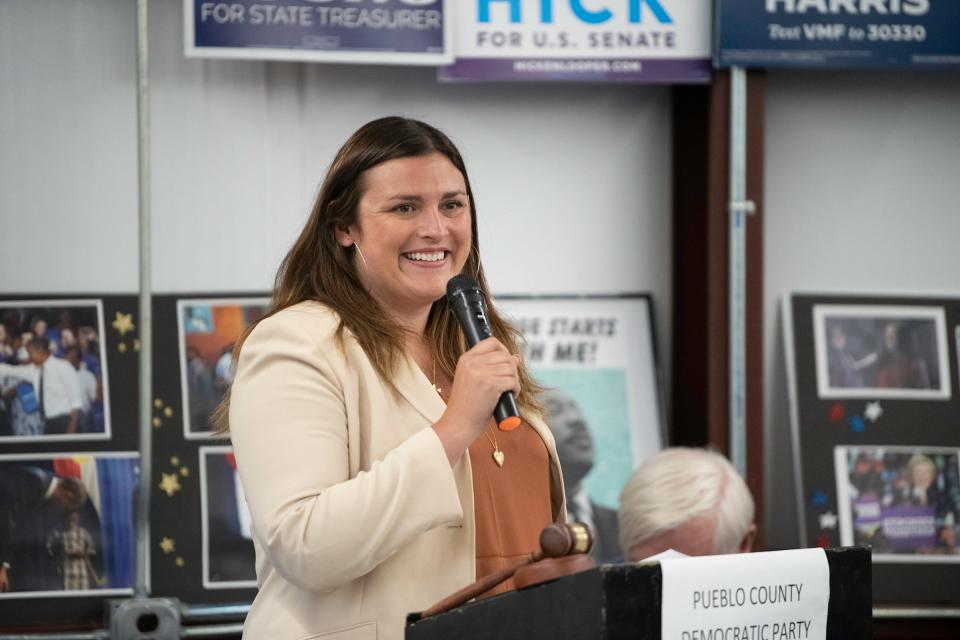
{"type": "Point", "coordinates": [53, 371]}
{"type": "Point", "coordinates": [68, 524]}
{"type": "Point", "coordinates": [228, 555]}
{"type": "Point", "coordinates": [904, 502]}
{"type": "Point", "coordinates": [207, 333]}
{"type": "Point", "coordinates": [881, 352]}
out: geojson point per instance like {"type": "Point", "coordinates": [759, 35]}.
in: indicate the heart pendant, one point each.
{"type": "Point", "coordinates": [498, 457]}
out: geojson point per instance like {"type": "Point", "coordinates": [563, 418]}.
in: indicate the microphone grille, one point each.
{"type": "Point", "coordinates": [459, 283]}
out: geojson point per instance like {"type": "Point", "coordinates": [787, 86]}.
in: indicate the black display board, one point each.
{"type": "Point", "coordinates": [201, 551]}
{"type": "Point", "coordinates": [875, 411]}
{"type": "Point", "coordinates": [200, 547]}
{"type": "Point", "coordinates": [101, 453]}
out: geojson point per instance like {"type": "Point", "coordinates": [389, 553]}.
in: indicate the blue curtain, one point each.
{"type": "Point", "coordinates": [118, 482]}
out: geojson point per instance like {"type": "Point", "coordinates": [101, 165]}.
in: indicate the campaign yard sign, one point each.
{"type": "Point", "coordinates": [838, 33]}
{"type": "Point", "coordinates": [581, 40]}
{"type": "Point", "coordinates": [362, 31]}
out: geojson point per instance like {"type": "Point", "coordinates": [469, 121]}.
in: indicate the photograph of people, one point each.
{"type": "Point", "coordinates": [52, 371]}
{"type": "Point", "coordinates": [67, 524]}
{"type": "Point", "coordinates": [208, 330]}
{"type": "Point", "coordinates": [376, 479]}
{"type": "Point", "coordinates": [903, 502]}
{"type": "Point", "coordinates": [227, 541]}
{"type": "Point", "coordinates": [882, 352]}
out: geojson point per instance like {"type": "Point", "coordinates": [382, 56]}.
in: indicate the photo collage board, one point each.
{"type": "Point", "coordinates": [875, 412]}
{"type": "Point", "coordinates": [202, 550]}
{"type": "Point", "coordinates": [76, 543]}
{"type": "Point", "coordinates": [69, 460]}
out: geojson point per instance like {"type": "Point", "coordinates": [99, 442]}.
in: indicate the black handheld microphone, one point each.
{"type": "Point", "coordinates": [470, 307]}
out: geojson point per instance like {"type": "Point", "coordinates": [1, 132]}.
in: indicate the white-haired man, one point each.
{"type": "Point", "coordinates": [689, 500]}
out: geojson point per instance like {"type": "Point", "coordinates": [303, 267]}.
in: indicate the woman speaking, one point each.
{"type": "Point", "coordinates": [376, 478]}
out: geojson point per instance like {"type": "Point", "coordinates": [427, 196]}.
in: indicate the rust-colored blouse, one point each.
{"type": "Point", "coordinates": [512, 502]}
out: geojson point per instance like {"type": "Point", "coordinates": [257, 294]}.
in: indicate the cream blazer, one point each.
{"type": "Point", "coordinates": [357, 516]}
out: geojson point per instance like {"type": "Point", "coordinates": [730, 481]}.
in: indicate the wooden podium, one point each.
{"type": "Point", "coordinates": [620, 602]}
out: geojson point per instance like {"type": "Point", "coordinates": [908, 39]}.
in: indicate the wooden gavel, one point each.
{"type": "Point", "coordinates": [557, 541]}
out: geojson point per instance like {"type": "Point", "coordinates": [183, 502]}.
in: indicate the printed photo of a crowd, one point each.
{"type": "Point", "coordinates": [53, 371]}
{"type": "Point", "coordinates": [883, 352]}
{"type": "Point", "coordinates": [902, 501]}
{"type": "Point", "coordinates": [67, 524]}
{"type": "Point", "coordinates": [208, 331]}
{"type": "Point", "coordinates": [228, 555]}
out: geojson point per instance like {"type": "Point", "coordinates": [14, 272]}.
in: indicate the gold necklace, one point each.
{"type": "Point", "coordinates": [497, 454]}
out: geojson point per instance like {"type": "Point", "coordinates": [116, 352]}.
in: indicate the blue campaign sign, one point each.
{"type": "Point", "coordinates": [581, 41]}
{"type": "Point", "coordinates": [367, 31]}
{"type": "Point", "coordinates": [837, 33]}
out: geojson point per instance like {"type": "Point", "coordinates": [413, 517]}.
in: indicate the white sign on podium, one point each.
{"type": "Point", "coordinates": [776, 595]}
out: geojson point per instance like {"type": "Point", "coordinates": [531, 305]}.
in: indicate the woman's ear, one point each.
{"type": "Point", "coordinates": [344, 236]}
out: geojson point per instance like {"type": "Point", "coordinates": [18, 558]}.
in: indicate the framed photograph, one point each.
{"type": "Point", "coordinates": [228, 555]}
{"type": "Point", "coordinates": [596, 356]}
{"type": "Point", "coordinates": [53, 371]}
{"type": "Point", "coordinates": [68, 525]}
{"type": "Point", "coordinates": [881, 352]}
{"type": "Point", "coordinates": [207, 331]}
{"type": "Point", "coordinates": [902, 501]}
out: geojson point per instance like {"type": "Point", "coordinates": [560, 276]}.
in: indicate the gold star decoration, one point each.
{"type": "Point", "coordinates": [156, 422]}
{"type": "Point", "coordinates": [167, 545]}
{"type": "Point", "coordinates": [122, 347]}
{"type": "Point", "coordinates": [136, 345]}
{"type": "Point", "coordinates": [168, 412]}
{"type": "Point", "coordinates": [180, 562]}
{"type": "Point", "coordinates": [170, 484]}
{"type": "Point", "coordinates": [174, 460]}
{"type": "Point", "coordinates": [157, 403]}
{"type": "Point", "coordinates": [184, 471]}
{"type": "Point", "coordinates": [123, 323]}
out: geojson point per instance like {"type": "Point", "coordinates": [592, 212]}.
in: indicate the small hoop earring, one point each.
{"type": "Point", "coordinates": [360, 253]}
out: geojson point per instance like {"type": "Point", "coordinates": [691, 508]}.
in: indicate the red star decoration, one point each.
{"type": "Point", "coordinates": [836, 412]}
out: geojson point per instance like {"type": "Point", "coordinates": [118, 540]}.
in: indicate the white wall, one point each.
{"type": "Point", "coordinates": [572, 181]}
{"type": "Point", "coordinates": [68, 154]}
{"type": "Point", "coordinates": [862, 193]}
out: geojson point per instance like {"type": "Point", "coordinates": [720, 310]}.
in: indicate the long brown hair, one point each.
{"type": "Point", "coordinates": [318, 268]}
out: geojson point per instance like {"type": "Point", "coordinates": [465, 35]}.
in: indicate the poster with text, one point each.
{"type": "Point", "coordinates": [922, 34]}
{"type": "Point", "coordinates": [596, 357]}
{"type": "Point", "coordinates": [561, 40]}
{"type": "Point", "coordinates": [207, 331]}
{"type": "Point", "coordinates": [412, 32]}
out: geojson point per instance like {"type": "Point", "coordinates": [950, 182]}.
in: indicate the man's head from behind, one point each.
{"type": "Point", "coordinates": [68, 494]}
{"type": "Point", "coordinates": [689, 500]}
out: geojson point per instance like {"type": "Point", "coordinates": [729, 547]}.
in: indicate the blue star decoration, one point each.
{"type": "Point", "coordinates": [856, 423]}
{"type": "Point", "coordinates": [819, 498]}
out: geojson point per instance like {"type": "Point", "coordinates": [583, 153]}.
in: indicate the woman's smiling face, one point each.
{"type": "Point", "coordinates": [413, 231]}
